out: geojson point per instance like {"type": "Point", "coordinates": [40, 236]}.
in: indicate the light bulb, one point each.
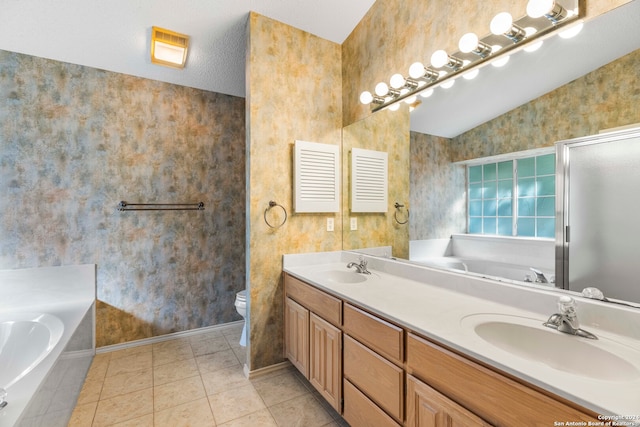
{"type": "Point", "coordinates": [416, 70]}
{"type": "Point", "coordinates": [448, 84]}
{"type": "Point", "coordinates": [426, 93]}
{"type": "Point", "coordinates": [501, 23]}
{"type": "Point", "coordinates": [394, 107]}
{"type": "Point", "coordinates": [533, 46]}
{"type": "Point", "coordinates": [499, 62]}
{"type": "Point", "coordinates": [397, 81]}
{"type": "Point", "coordinates": [572, 31]}
{"type": "Point", "coordinates": [439, 58]}
{"type": "Point", "coordinates": [382, 89]}
{"type": "Point", "coordinates": [470, 75]}
{"type": "Point", "coordinates": [366, 97]}
{"type": "Point", "coordinates": [468, 42]}
{"type": "Point", "coordinates": [538, 8]}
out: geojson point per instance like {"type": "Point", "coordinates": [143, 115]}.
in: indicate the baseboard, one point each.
{"type": "Point", "coordinates": [266, 370]}
{"type": "Point", "coordinates": [167, 337]}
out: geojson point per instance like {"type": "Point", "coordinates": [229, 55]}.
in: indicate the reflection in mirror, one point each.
{"type": "Point", "coordinates": [386, 131]}
{"type": "Point", "coordinates": [605, 97]}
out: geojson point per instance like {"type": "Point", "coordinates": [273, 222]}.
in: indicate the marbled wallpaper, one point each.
{"type": "Point", "coordinates": [396, 33]}
{"type": "Point", "coordinates": [74, 142]}
{"type": "Point", "coordinates": [293, 92]}
{"type": "Point", "coordinates": [605, 98]}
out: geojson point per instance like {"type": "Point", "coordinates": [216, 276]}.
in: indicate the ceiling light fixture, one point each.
{"type": "Point", "coordinates": [168, 48]}
{"type": "Point", "coordinates": [544, 18]}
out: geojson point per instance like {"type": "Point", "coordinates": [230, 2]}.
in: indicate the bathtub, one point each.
{"type": "Point", "coordinates": [495, 270]}
{"type": "Point", "coordinates": [47, 342]}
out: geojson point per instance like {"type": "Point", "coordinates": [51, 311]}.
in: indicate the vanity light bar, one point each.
{"type": "Point", "coordinates": [544, 19]}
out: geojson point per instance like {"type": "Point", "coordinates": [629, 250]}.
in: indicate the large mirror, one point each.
{"type": "Point", "coordinates": [574, 88]}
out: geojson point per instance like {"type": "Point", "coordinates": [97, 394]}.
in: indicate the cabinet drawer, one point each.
{"type": "Point", "coordinates": [484, 391]}
{"type": "Point", "coordinates": [360, 411]}
{"type": "Point", "coordinates": [375, 376]}
{"type": "Point", "coordinates": [321, 303]}
{"type": "Point", "coordinates": [381, 336]}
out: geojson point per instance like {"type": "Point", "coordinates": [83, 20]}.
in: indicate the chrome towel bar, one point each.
{"type": "Point", "coordinates": [124, 206]}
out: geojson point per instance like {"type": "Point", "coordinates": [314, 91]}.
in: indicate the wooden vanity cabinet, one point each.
{"type": "Point", "coordinates": [296, 336]}
{"type": "Point", "coordinates": [313, 338]}
{"type": "Point", "coordinates": [373, 361]}
{"type": "Point", "coordinates": [428, 408]}
{"type": "Point", "coordinates": [390, 376]}
{"type": "Point", "coordinates": [496, 398]}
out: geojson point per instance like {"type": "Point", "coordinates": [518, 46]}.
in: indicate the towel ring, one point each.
{"type": "Point", "coordinates": [395, 214]}
{"type": "Point", "coordinates": [272, 204]}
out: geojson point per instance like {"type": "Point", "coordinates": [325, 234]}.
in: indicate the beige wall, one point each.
{"type": "Point", "coordinates": [294, 92]}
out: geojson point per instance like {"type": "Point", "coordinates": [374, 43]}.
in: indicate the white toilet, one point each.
{"type": "Point", "coordinates": [241, 308]}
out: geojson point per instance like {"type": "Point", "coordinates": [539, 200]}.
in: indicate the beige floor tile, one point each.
{"type": "Point", "coordinates": [164, 355]}
{"type": "Point", "coordinates": [261, 418]}
{"type": "Point", "coordinates": [174, 343]}
{"type": "Point", "coordinates": [177, 393]}
{"type": "Point", "coordinates": [240, 352]}
{"type": "Point", "coordinates": [124, 407]}
{"type": "Point", "coordinates": [143, 421]}
{"type": "Point", "coordinates": [192, 414]}
{"type": "Point", "coordinates": [131, 351]}
{"type": "Point", "coordinates": [224, 379]}
{"type": "Point", "coordinates": [216, 361]}
{"type": "Point", "coordinates": [209, 345]}
{"type": "Point", "coordinates": [175, 371]}
{"type": "Point", "coordinates": [300, 411]}
{"type": "Point", "coordinates": [126, 383]}
{"type": "Point", "coordinates": [83, 415]}
{"type": "Point", "coordinates": [235, 403]}
{"type": "Point", "coordinates": [277, 389]}
{"type": "Point", "coordinates": [216, 333]}
{"type": "Point", "coordinates": [235, 330]}
{"type": "Point", "coordinates": [99, 366]}
{"type": "Point", "coordinates": [128, 364]}
{"type": "Point", "coordinates": [90, 392]}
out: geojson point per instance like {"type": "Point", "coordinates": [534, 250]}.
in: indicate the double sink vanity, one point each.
{"type": "Point", "coordinates": [410, 345]}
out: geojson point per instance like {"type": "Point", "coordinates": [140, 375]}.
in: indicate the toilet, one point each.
{"type": "Point", "coordinates": [241, 308]}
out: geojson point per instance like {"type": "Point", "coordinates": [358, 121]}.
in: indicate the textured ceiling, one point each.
{"type": "Point", "coordinates": [115, 35]}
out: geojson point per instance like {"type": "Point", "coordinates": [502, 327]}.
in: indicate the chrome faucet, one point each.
{"type": "Point", "coordinates": [540, 278]}
{"type": "Point", "coordinates": [360, 268]}
{"type": "Point", "coordinates": [567, 319]}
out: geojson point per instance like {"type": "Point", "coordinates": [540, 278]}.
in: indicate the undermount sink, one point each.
{"type": "Point", "coordinates": [339, 276]}
{"type": "Point", "coordinates": [527, 338]}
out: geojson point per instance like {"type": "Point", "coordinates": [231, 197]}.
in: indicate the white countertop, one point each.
{"type": "Point", "coordinates": [441, 306]}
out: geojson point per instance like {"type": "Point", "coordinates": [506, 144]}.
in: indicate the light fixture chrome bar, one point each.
{"type": "Point", "coordinates": [428, 78]}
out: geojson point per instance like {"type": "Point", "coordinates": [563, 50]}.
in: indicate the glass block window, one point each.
{"type": "Point", "coordinates": [513, 197]}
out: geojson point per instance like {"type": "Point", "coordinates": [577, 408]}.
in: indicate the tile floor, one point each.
{"type": "Point", "coordinates": [195, 381]}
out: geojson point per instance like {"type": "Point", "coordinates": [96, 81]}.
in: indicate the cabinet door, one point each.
{"type": "Point", "coordinates": [325, 360]}
{"type": "Point", "coordinates": [296, 336]}
{"type": "Point", "coordinates": [428, 408]}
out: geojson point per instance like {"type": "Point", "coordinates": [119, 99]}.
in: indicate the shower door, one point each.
{"type": "Point", "coordinates": [598, 221]}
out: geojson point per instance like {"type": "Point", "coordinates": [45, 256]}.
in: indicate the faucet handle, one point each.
{"type": "Point", "coordinates": [567, 305]}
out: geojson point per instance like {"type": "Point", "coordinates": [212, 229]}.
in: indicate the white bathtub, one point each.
{"type": "Point", "coordinates": [25, 339]}
{"type": "Point", "coordinates": [485, 268]}
{"type": "Point", "coordinates": [47, 342]}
